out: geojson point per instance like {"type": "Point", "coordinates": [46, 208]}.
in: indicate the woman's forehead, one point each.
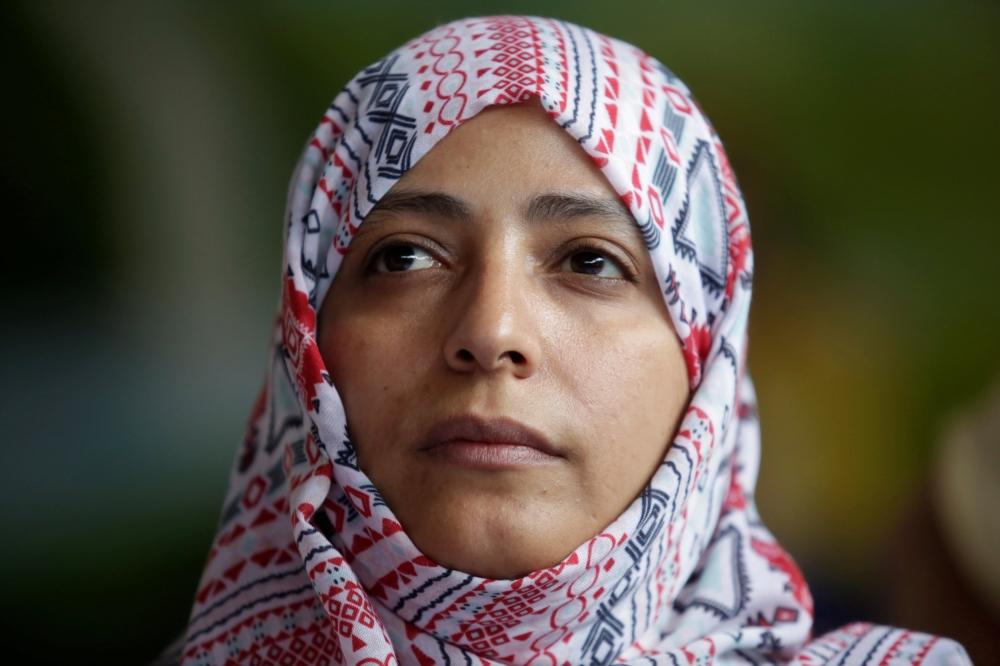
{"type": "Point", "coordinates": [512, 152]}
{"type": "Point", "coordinates": [509, 164]}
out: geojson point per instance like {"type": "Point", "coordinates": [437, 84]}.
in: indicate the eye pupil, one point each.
{"type": "Point", "coordinates": [399, 258]}
{"type": "Point", "coordinates": [589, 263]}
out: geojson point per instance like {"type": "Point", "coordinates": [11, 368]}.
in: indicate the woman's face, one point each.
{"type": "Point", "coordinates": [507, 364]}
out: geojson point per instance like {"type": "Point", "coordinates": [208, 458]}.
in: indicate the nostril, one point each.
{"type": "Point", "coordinates": [465, 355]}
{"type": "Point", "coordinates": [516, 357]}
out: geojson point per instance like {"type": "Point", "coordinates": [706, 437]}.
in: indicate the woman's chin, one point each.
{"type": "Point", "coordinates": [489, 540]}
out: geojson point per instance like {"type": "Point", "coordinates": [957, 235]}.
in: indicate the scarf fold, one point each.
{"type": "Point", "coordinates": [311, 567]}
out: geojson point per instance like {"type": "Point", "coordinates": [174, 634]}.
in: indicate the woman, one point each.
{"type": "Point", "coordinates": [506, 418]}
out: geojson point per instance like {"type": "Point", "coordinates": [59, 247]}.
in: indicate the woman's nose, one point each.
{"type": "Point", "coordinates": [494, 329]}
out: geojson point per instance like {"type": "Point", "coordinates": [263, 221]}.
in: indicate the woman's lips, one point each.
{"type": "Point", "coordinates": [489, 444]}
{"type": "Point", "coordinates": [490, 456]}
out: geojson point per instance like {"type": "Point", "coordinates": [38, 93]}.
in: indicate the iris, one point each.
{"type": "Point", "coordinates": [399, 258]}
{"type": "Point", "coordinates": [592, 263]}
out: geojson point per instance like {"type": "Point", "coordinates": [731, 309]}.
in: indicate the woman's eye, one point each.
{"type": "Point", "coordinates": [399, 258]}
{"type": "Point", "coordinates": [592, 263]}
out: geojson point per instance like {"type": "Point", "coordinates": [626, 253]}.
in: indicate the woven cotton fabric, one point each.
{"type": "Point", "coordinates": [311, 567]}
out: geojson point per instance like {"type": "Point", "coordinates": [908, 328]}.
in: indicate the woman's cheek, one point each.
{"type": "Point", "coordinates": [634, 400]}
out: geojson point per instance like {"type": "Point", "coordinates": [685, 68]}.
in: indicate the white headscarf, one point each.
{"type": "Point", "coordinates": [311, 567]}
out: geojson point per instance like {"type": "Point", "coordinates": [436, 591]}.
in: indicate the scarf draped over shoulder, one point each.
{"type": "Point", "coordinates": [310, 566]}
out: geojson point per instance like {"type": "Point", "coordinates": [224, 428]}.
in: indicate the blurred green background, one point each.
{"type": "Point", "coordinates": [145, 150]}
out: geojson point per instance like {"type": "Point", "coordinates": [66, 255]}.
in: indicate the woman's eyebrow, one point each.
{"type": "Point", "coordinates": [572, 206]}
{"type": "Point", "coordinates": [432, 204]}
{"type": "Point", "coordinates": [542, 207]}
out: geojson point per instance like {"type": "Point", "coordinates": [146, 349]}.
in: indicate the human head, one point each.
{"type": "Point", "coordinates": [654, 151]}
{"type": "Point", "coordinates": [390, 410]}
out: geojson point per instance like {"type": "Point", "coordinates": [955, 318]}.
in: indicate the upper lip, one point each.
{"type": "Point", "coordinates": [487, 431]}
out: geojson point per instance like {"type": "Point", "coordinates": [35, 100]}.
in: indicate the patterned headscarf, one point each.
{"type": "Point", "coordinates": [311, 567]}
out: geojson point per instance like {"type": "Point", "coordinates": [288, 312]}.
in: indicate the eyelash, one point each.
{"type": "Point", "coordinates": [379, 251]}
{"type": "Point", "coordinates": [562, 256]}
{"type": "Point", "coordinates": [627, 272]}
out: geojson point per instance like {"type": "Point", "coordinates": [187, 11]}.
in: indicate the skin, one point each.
{"type": "Point", "coordinates": [503, 278]}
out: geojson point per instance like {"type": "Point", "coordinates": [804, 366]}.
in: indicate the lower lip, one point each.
{"type": "Point", "coordinates": [497, 456]}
